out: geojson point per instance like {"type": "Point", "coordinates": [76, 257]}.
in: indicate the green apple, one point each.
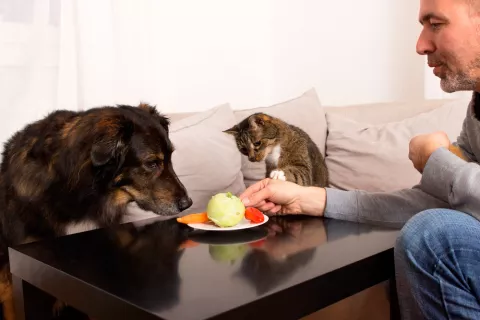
{"type": "Point", "coordinates": [225, 210]}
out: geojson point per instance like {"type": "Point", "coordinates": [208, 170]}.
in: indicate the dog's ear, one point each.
{"type": "Point", "coordinates": [105, 151]}
{"type": "Point", "coordinates": [152, 110]}
{"type": "Point", "coordinates": [112, 143]}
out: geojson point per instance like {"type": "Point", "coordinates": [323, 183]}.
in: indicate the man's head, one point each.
{"type": "Point", "coordinates": [451, 40]}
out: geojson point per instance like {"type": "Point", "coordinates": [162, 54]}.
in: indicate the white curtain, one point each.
{"type": "Point", "coordinates": [77, 54]}
{"type": "Point", "coordinates": [29, 42]}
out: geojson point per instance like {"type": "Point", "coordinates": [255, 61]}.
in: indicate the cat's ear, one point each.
{"type": "Point", "coordinates": [233, 130]}
{"type": "Point", "coordinates": [257, 120]}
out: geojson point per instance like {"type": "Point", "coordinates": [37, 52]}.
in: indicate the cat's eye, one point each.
{"type": "Point", "coordinates": [243, 150]}
{"type": "Point", "coordinates": [257, 144]}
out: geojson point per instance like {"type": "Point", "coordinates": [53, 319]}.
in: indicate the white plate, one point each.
{"type": "Point", "coordinates": [244, 224]}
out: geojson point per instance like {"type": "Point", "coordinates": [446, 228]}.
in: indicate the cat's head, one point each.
{"type": "Point", "coordinates": [255, 136]}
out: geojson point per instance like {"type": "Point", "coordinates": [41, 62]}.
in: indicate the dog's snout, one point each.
{"type": "Point", "coordinates": [184, 203]}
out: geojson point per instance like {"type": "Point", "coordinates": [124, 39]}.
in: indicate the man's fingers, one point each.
{"type": "Point", "coordinates": [267, 206]}
{"type": "Point", "coordinates": [254, 188]}
{"type": "Point", "coordinates": [261, 203]}
{"type": "Point", "coordinates": [276, 209]}
{"type": "Point", "coordinates": [254, 199]}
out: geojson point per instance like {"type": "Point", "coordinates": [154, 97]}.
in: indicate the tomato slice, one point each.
{"type": "Point", "coordinates": [254, 215]}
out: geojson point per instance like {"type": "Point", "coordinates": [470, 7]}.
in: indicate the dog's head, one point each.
{"type": "Point", "coordinates": [132, 152]}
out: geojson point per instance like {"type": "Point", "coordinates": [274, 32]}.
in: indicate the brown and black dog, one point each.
{"type": "Point", "coordinates": [85, 167]}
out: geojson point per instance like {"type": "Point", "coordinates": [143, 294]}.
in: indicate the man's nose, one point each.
{"type": "Point", "coordinates": [425, 45]}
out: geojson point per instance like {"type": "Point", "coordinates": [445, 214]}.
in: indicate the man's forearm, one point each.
{"type": "Point", "coordinates": [453, 180]}
{"type": "Point", "coordinates": [383, 208]}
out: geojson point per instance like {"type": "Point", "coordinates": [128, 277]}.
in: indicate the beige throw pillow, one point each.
{"type": "Point", "coordinates": [304, 111]}
{"type": "Point", "coordinates": [206, 160]}
{"type": "Point", "coordinates": [375, 157]}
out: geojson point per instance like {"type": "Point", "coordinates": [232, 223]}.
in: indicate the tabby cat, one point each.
{"type": "Point", "coordinates": [288, 151]}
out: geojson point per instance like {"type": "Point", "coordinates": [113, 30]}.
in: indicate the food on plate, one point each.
{"type": "Point", "coordinates": [225, 210]}
{"type": "Point", "coordinates": [194, 218]}
{"type": "Point", "coordinates": [254, 215]}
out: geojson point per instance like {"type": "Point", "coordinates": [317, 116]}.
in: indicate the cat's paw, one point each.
{"type": "Point", "coordinates": [278, 175]}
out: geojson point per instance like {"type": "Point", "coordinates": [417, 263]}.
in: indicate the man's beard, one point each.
{"type": "Point", "coordinates": [457, 82]}
{"type": "Point", "coordinates": [461, 80]}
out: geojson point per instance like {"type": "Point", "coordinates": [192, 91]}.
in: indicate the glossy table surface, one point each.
{"type": "Point", "coordinates": [154, 269]}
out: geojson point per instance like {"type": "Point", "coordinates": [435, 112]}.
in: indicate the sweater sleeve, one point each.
{"type": "Point", "coordinates": [391, 209]}
{"type": "Point", "coordinates": [454, 180]}
{"type": "Point", "coordinates": [463, 142]}
{"type": "Point", "coordinates": [447, 182]}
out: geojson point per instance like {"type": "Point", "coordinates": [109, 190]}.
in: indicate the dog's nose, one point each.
{"type": "Point", "coordinates": [184, 203]}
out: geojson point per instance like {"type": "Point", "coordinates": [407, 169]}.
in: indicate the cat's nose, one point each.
{"type": "Point", "coordinates": [251, 158]}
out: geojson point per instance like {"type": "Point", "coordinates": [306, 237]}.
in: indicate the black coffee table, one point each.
{"type": "Point", "coordinates": [285, 269]}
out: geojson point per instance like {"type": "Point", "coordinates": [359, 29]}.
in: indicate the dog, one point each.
{"type": "Point", "coordinates": [84, 168]}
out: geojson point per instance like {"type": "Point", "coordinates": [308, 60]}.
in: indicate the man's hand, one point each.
{"type": "Point", "coordinates": [283, 197]}
{"type": "Point", "coordinates": [422, 146]}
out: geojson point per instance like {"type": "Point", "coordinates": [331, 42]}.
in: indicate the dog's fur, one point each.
{"type": "Point", "coordinates": [85, 168]}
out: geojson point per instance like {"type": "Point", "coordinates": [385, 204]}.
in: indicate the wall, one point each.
{"type": "Point", "coordinates": [351, 51]}
{"type": "Point", "coordinates": [260, 52]}
{"type": "Point", "coordinates": [190, 55]}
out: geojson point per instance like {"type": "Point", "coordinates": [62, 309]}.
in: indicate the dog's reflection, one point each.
{"type": "Point", "coordinates": [136, 262]}
{"type": "Point", "coordinates": [290, 245]}
{"type": "Point", "coordinates": [142, 263]}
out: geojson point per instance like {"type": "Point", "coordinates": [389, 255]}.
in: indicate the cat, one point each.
{"type": "Point", "coordinates": [288, 151]}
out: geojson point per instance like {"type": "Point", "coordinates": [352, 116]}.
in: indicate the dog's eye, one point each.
{"type": "Point", "coordinates": [151, 165]}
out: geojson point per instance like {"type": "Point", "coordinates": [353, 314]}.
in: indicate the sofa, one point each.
{"type": "Point", "coordinates": [365, 146]}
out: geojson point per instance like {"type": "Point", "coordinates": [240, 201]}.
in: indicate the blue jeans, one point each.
{"type": "Point", "coordinates": [437, 265]}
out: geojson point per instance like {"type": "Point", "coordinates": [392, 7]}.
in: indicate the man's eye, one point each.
{"type": "Point", "coordinates": [435, 26]}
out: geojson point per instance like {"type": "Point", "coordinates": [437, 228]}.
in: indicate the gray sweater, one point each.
{"type": "Point", "coordinates": [447, 182]}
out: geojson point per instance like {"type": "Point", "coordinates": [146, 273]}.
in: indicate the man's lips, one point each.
{"type": "Point", "coordinates": [434, 65]}
{"type": "Point", "coordinates": [437, 69]}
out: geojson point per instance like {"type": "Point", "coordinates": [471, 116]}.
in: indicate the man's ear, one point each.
{"type": "Point", "coordinates": [111, 147]}
{"type": "Point", "coordinates": [233, 130]}
{"type": "Point", "coordinates": [152, 110]}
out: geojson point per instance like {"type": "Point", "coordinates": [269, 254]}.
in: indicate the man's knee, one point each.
{"type": "Point", "coordinates": [429, 230]}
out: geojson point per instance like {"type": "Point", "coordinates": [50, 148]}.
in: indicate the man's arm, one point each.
{"type": "Point", "coordinates": [450, 179]}
{"type": "Point", "coordinates": [454, 180]}
{"type": "Point", "coordinates": [384, 208]}
{"type": "Point", "coordinates": [454, 176]}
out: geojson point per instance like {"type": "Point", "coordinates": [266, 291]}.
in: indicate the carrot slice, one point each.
{"type": "Point", "coordinates": [194, 218]}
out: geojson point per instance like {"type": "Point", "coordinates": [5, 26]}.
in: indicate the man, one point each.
{"type": "Point", "coordinates": [437, 254]}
